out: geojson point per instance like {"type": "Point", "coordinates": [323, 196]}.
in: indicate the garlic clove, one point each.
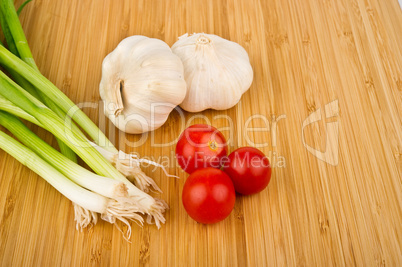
{"type": "Point", "coordinates": [142, 82]}
{"type": "Point", "coordinates": [217, 71]}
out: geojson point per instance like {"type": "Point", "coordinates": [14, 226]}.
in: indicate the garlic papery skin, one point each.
{"type": "Point", "coordinates": [142, 81]}
{"type": "Point", "coordinates": [217, 71]}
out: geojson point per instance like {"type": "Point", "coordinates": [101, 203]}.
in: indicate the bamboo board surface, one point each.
{"type": "Point", "coordinates": [335, 197]}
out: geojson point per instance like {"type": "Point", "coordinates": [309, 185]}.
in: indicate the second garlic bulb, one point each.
{"type": "Point", "coordinates": [217, 71]}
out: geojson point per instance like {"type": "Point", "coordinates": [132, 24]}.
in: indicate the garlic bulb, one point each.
{"type": "Point", "coordinates": [217, 71]}
{"type": "Point", "coordinates": [142, 81]}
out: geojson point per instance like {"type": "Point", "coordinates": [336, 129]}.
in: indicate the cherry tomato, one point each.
{"type": "Point", "coordinates": [200, 146]}
{"type": "Point", "coordinates": [208, 195]}
{"type": "Point", "coordinates": [249, 170]}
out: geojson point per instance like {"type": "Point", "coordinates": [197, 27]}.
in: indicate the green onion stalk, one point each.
{"type": "Point", "coordinates": [34, 98]}
{"type": "Point", "coordinates": [18, 45]}
{"type": "Point", "coordinates": [15, 94]}
{"type": "Point", "coordinates": [87, 204]}
{"type": "Point", "coordinates": [127, 164]}
{"type": "Point", "coordinates": [104, 186]}
{"type": "Point", "coordinates": [12, 62]}
{"type": "Point", "coordinates": [120, 206]}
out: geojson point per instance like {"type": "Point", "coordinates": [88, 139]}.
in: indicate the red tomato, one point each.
{"type": "Point", "coordinates": [249, 170]}
{"type": "Point", "coordinates": [208, 195]}
{"type": "Point", "coordinates": [200, 146]}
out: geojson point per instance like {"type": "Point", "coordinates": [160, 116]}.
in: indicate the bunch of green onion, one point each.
{"type": "Point", "coordinates": [28, 95]}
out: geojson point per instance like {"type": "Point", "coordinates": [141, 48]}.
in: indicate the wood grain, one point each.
{"type": "Point", "coordinates": [305, 54]}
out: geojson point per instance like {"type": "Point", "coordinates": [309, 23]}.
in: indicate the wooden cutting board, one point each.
{"type": "Point", "coordinates": [325, 106]}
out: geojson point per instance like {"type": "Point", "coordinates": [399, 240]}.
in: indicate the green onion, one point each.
{"type": "Point", "coordinates": [75, 193]}
{"type": "Point", "coordinates": [10, 90]}
{"type": "Point", "coordinates": [119, 198]}
{"type": "Point", "coordinates": [12, 26]}
{"type": "Point", "coordinates": [9, 107]}
{"type": "Point", "coordinates": [18, 45]}
{"type": "Point", "coordinates": [50, 120]}
{"type": "Point", "coordinates": [22, 6]}
{"type": "Point", "coordinates": [81, 176]}
{"type": "Point", "coordinates": [127, 164]}
{"type": "Point", "coordinates": [12, 62]}
{"type": "Point", "coordinates": [87, 201]}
